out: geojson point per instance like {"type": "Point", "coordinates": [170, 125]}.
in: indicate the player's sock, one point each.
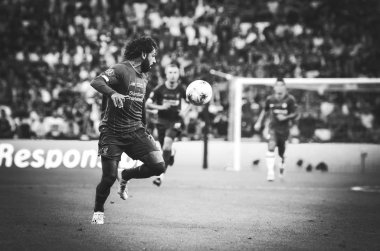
{"type": "Point", "coordinates": [99, 204]}
{"type": "Point", "coordinates": [282, 168]}
{"type": "Point", "coordinates": [270, 160]}
{"type": "Point", "coordinates": [123, 190]}
{"type": "Point", "coordinates": [102, 192]}
{"type": "Point", "coordinates": [171, 159]}
{"type": "Point", "coordinates": [167, 154]}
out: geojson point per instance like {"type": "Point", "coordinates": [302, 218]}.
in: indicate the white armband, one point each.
{"type": "Point", "coordinates": [105, 78]}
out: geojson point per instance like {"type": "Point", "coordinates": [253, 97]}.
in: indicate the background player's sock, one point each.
{"type": "Point", "coordinates": [282, 167]}
{"type": "Point", "coordinates": [167, 154]}
{"type": "Point", "coordinates": [270, 160]}
{"type": "Point", "coordinates": [171, 159]}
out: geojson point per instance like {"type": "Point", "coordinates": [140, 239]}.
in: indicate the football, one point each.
{"type": "Point", "coordinates": [199, 92]}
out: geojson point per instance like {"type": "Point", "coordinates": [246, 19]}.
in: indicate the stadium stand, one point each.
{"type": "Point", "coordinates": [50, 51]}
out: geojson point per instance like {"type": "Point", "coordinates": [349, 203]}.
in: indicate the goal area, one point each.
{"type": "Point", "coordinates": [321, 85]}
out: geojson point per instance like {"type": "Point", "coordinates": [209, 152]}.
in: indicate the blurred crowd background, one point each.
{"type": "Point", "coordinates": [51, 49]}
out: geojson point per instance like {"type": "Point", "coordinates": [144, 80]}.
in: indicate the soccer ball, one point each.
{"type": "Point", "coordinates": [199, 92]}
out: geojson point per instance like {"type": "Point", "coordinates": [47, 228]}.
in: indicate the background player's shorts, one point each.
{"type": "Point", "coordinates": [135, 144]}
{"type": "Point", "coordinates": [168, 129]}
{"type": "Point", "coordinates": [277, 138]}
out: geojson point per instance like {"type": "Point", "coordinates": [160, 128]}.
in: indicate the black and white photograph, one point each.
{"type": "Point", "coordinates": [189, 125]}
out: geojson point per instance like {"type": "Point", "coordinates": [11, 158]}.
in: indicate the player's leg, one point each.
{"type": "Point", "coordinates": [167, 156]}
{"type": "Point", "coordinates": [110, 154]}
{"type": "Point", "coordinates": [109, 174]}
{"type": "Point", "coordinates": [167, 148]}
{"type": "Point", "coordinates": [153, 165]}
{"type": "Point", "coordinates": [143, 148]}
{"type": "Point", "coordinates": [270, 156]}
{"type": "Point", "coordinates": [161, 132]}
{"type": "Point", "coordinates": [281, 144]}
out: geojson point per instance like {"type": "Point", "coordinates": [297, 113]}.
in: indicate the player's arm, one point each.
{"type": "Point", "coordinates": [259, 122]}
{"type": "Point", "coordinates": [262, 117]}
{"type": "Point", "coordinates": [186, 107]}
{"type": "Point", "coordinates": [185, 104]}
{"type": "Point", "coordinates": [151, 105]}
{"type": "Point", "coordinates": [103, 83]}
{"type": "Point", "coordinates": [151, 102]}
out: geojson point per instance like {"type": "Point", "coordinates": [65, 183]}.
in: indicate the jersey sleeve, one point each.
{"type": "Point", "coordinates": [114, 75]}
{"type": "Point", "coordinates": [267, 105]}
{"type": "Point", "coordinates": [155, 94]}
{"type": "Point", "coordinates": [106, 81]}
{"type": "Point", "coordinates": [292, 105]}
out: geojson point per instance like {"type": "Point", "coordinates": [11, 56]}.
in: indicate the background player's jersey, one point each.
{"type": "Point", "coordinates": [125, 80]}
{"type": "Point", "coordinates": [162, 95]}
{"type": "Point", "coordinates": [285, 106]}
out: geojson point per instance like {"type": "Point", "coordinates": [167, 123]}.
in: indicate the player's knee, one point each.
{"type": "Point", "coordinates": [168, 142]}
{"type": "Point", "coordinates": [158, 168]}
{"type": "Point", "coordinates": [271, 146]}
{"type": "Point", "coordinates": [281, 152]}
{"type": "Point", "coordinates": [109, 179]}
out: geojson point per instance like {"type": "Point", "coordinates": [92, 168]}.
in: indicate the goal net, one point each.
{"type": "Point", "coordinates": [319, 85]}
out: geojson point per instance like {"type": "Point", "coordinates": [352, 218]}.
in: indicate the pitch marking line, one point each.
{"type": "Point", "coordinates": [366, 189]}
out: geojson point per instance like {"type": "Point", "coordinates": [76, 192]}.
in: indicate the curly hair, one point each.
{"type": "Point", "coordinates": [140, 45]}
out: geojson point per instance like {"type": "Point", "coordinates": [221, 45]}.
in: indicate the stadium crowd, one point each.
{"type": "Point", "coordinates": [51, 49]}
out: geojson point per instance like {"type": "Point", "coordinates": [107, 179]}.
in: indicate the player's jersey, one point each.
{"type": "Point", "coordinates": [162, 95]}
{"type": "Point", "coordinates": [125, 80]}
{"type": "Point", "coordinates": [275, 107]}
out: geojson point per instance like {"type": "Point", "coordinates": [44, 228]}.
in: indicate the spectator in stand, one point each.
{"type": "Point", "coordinates": [55, 126]}
{"type": "Point", "coordinates": [23, 130]}
{"type": "Point", "coordinates": [41, 67]}
{"type": "Point", "coordinates": [5, 126]}
{"type": "Point", "coordinates": [307, 125]}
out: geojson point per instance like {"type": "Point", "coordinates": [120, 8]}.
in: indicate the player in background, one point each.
{"type": "Point", "coordinates": [281, 108]}
{"type": "Point", "coordinates": [168, 98]}
{"type": "Point", "coordinates": [123, 87]}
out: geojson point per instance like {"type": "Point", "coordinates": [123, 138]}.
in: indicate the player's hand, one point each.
{"type": "Point", "coordinates": [281, 117]}
{"type": "Point", "coordinates": [257, 127]}
{"type": "Point", "coordinates": [118, 99]}
{"type": "Point", "coordinates": [165, 106]}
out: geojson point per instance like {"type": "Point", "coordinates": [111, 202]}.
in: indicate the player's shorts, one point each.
{"type": "Point", "coordinates": [277, 137]}
{"type": "Point", "coordinates": [135, 144]}
{"type": "Point", "coordinates": [168, 129]}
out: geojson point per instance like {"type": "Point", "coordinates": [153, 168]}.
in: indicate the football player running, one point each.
{"type": "Point", "coordinates": [123, 87]}
{"type": "Point", "coordinates": [169, 99]}
{"type": "Point", "coordinates": [281, 108]}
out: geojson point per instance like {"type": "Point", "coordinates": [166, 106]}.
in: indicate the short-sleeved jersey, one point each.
{"type": "Point", "coordinates": [274, 107]}
{"type": "Point", "coordinates": [162, 95]}
{"type": "Point", "coordinates": [125, 80]}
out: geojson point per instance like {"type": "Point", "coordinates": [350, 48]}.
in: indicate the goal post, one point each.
{"type": "Point", "coordinates": [312, 84]}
